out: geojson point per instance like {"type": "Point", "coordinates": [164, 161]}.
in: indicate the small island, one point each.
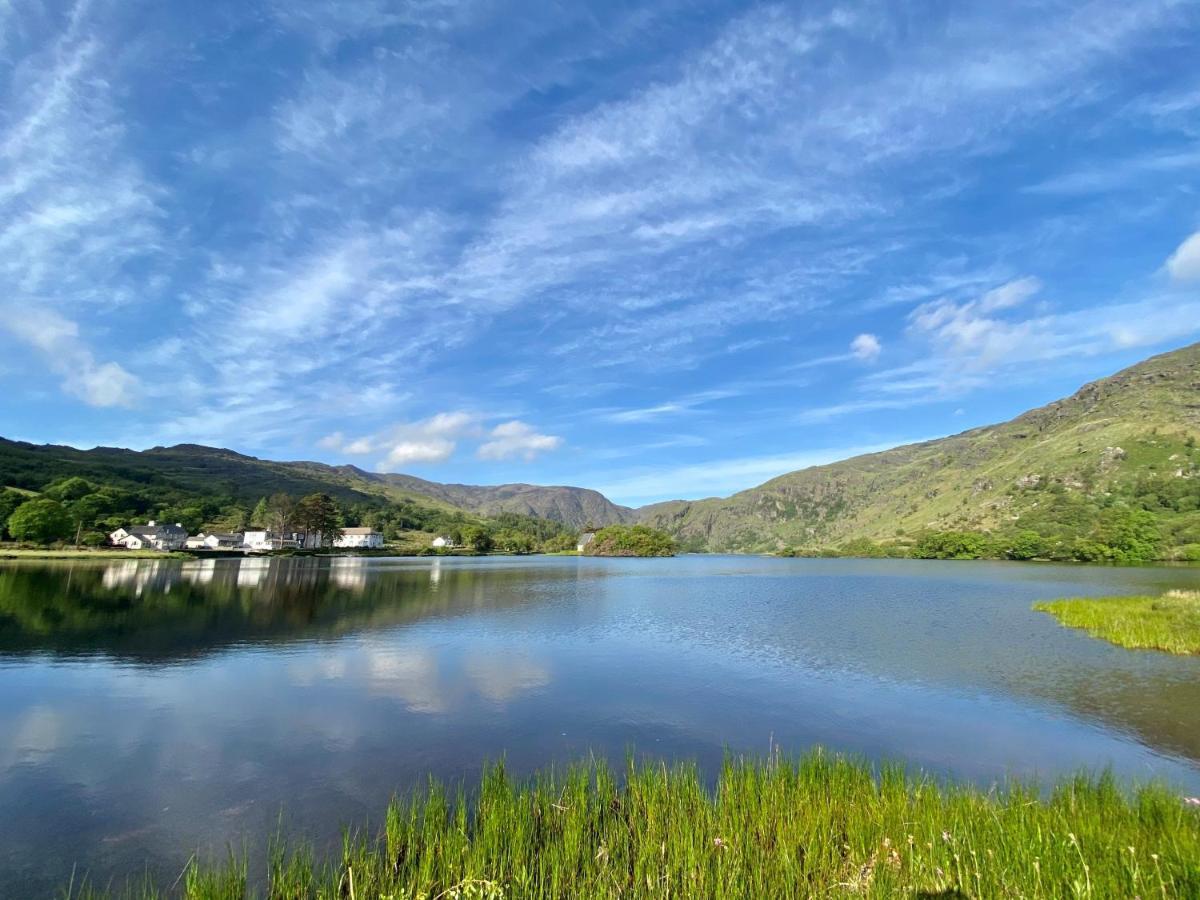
{"type": "Point", "coordinates": [628, 540]}
{"type": "Point", "coordinates": [1170, 622]}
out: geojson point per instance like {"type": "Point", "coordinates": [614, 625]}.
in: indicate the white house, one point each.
{"type": "Point", "coordinates": [443, 543]}
{"type": "Point", "coordinates": [216, 540]}
{"type": "Point", "coordinates": [267, 540]}
{"type": "Point", "coordinates": [151, 536]}
{"type": "Point", "coordinates": [359, 538]}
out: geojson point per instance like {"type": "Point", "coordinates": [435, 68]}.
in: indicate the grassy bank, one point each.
{"type": "Point", "coordinates": [1170, 622]}
{"type": "Point", "coordinates": [822, 826]}
{"type": "Point", "coordinates": [84, 553]}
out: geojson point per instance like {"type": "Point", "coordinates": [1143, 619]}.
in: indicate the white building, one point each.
{"type": "Point", "coordinates": [359, 538]}
{"type": "Point", "coordinates": [584, 539]}
{"type": "Point", "coordinates": [151, 536]}
{"type": "Point", "coordinates": [267, 540]}
{"type": "Point", "coordinates": [216, 540]}
{"type": "Point", "coordinates": [443, 543]}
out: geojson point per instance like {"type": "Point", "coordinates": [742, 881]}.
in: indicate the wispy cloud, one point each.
{"type": "Point", "coordinates": [57, 339]}
{"type": "Point", "coordinates": [435, 439]}
{"type": "Point", "coordinates": [1184, 264]}
{"type": "Point", "coordinates": [517, 439]}
{"type": "Point", "coordinates": [310, 227]}
{"type": "Point", "coordinates": [76, 214]}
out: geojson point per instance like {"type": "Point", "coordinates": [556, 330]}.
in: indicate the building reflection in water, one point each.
{"type": "Point", "coordinates": [349, 572]}
{"type": "Point", "coordinates": [253, 571]}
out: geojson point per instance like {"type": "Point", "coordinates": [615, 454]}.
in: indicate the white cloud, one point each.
{"type": "Point", "coordinates": [432, 450]}
{"type": "Point", "coordinates": [57, 338]}
{"type": "Point", "coordinates": [1184, 264]}
{"type": "Point", "coordinates": [436, 438]}
{"type": "Point", "coordinates": [516, 438]}
{"type": "Point", "coordinates": [969, 330]}
{"type": "Point", "coordinates": [866, 347]}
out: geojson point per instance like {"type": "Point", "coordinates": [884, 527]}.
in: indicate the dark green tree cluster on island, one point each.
{"type": "Point", "coordinates": [630, 540]}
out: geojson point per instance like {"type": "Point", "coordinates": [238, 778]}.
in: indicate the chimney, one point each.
{"type": "Point", "coordinates": [178, 524]}
{"type": "Point", "coordinates": [151, 523]}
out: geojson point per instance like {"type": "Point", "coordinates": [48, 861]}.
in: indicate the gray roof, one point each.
{"type": "Point", "coordinates": [144, 531]}
{"type": "Point", "coordinates": [359, 531]}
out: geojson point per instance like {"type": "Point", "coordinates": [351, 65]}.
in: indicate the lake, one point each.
{"type": "Point", "coordinates": [151, 708]}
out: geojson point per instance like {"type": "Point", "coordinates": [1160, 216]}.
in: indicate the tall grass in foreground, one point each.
{"type": "Point", "coordinates": [1170, 622]}
{"type": "Point", "coordinates": [820, 826]}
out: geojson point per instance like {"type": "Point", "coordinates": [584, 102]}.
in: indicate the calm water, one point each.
{"type": "Point", "coordinates": [151, 708]}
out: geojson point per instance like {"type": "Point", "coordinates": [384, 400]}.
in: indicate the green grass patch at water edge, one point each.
{"type": "Point", "coordinates": [1170, 622]}
{"type": "Point", "coordinates": [820, 826]}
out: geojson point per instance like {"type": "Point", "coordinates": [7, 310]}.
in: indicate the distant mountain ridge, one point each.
{"type": "Point", "coordinates": [570, 505]}
{"type": "Point", "coordinates": [1139, 424]}
{"type": "Point", "coordinates": [203, 469]}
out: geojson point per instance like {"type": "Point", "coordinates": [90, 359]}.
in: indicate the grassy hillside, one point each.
{"type": "Point", "coordinates": [1124, 443]}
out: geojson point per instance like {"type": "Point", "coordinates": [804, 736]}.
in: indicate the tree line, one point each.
{"type": "Point", "coordinates": [77, 510]}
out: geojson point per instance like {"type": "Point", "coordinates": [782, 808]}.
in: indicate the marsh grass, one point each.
{"type": "Point", "coordinates": [1170, 622]}
{"type": "Point", "coordinates": [820, 826]}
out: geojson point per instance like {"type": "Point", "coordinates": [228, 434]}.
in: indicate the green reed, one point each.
{"type": "Point", "coordinates": [818, 826]}
{"type": "Point", "coordinates": [1170, 622]}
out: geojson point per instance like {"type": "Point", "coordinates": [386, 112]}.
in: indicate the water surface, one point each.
{"type": "Point", "coordinates": [151, 708]}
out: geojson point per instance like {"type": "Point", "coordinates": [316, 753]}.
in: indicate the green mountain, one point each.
{"type": "Point", "coordinates": [185, 472]}
{"type": "Point", "coordinates": [1123, 443]}
{"type": "Point", "coordinates": [572, 506]}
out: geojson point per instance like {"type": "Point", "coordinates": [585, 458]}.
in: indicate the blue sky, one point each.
{"type": "Point", "coordinates": [661, 249]}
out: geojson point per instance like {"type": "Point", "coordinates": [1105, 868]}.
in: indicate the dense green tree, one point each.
{"type": "Point", "coordinates": [9, 501]}
{"type": "Point", "coordinates": [40, 521]}
{"type": "Point", "coordinates": [631, 540]}
{"type": "Point", "coordinates": [231, 518]}
{"type": "Point", "coordinates": [1025, 544]}
{"type": "Point", "coordinates": [190, 517]}
{"type": "Point", "coordinates": [1131, 535]}
{"type": "Point", "coordinates": [260, 517]}
{"type": "Point", "coordinates": [477, 538]}
{"type": "Point", "coordinates": [510, 540]}
{"type": "Point", "coordinates": [280, 509]}
{"type": "Point", "coordinates": [67, 489]}
{"type": "Point", "coordinates": [950, 545]}
{"type": "Point", "coordinates": [91, 508]}
{"type": "Point", "coordinates": [318, 514]}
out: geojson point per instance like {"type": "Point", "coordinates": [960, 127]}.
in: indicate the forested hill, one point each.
{"type": "Point", "coordinates": [184, 472]}
{"type": "Point", "coordinates": [1113, 465]}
